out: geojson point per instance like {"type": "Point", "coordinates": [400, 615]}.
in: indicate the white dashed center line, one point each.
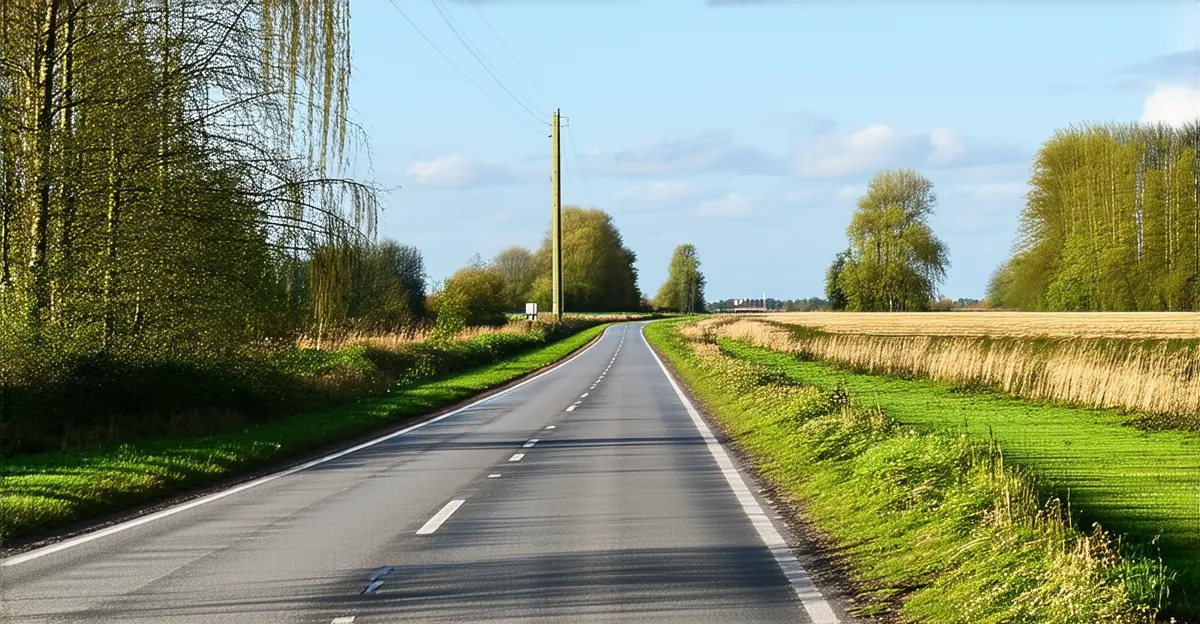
{"type": "Point", "coordinates": [583, 396]}
{"type": "Point", "coordinates": [516, 457]}
{"type": "Point", "coordinates": [440, 517]}
{"type": "Point", "coordinates": [494, 475]}
{"type": "Point", "coordinates": [549, 426]}
{"type": "Point", "coordinates": [530, 443]}
{"type": "Point", "coordinates": [571, 409]}
{"type": "Point", "coordinates": [348, 619]}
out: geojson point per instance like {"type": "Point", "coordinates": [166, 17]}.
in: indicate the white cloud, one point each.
{"type": "Point", "coordinates": [707, 152]}
{"type": "Point", "coordinates": [848, 193]}
{"type": "Point", "coordinates": [948, 147]}
{"type": "Point", "coordinates": [731, 206]}
{"type": "Point", "coordinates": [996, 191]}
{"type": "Point", "coordinates": [799, 196]}
{"type": "Point", "coordinates": [843, 152]}
{"type": "Point", "coordinates": [1172, 104]}
{"type": "Point", "coordinates": [456, 171]}
{"type": "Point", "coordinates": [661, 194]}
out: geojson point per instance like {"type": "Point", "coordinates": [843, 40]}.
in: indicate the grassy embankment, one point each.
{"type": "Point", "coordinates": [46, 490]}
{"type": "Point", "coordinates": [934, 524]}
{"type": "Point", "coordinates": [1137, 473]}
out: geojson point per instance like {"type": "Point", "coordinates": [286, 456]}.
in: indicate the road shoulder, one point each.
{"type": "Point", "coordinates": [815, 552]}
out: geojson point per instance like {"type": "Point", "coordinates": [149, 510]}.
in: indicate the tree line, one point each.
{"type": "Point", "coordinates": [599, 275]}
{"type": "Point", "coordinates": [169, 172]}
{"type": "Point", "coordinates": [1111, 223]}
{"type": "Point", "coordinates": [783, 305]}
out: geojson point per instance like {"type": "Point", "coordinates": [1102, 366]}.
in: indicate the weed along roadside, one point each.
{"type": "Point", "coordinates": [934, 526]}
{"type": "Point", "coordinates": [39, 492]}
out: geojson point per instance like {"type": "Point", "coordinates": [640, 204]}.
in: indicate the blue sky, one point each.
{"type": "Point", "coordinates": [746, 128]}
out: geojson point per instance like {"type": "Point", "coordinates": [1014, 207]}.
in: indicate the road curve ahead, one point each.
{"type": "Point", "coordinates": [590, 493]}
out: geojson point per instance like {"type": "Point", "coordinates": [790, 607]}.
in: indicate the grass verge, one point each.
{"type": "Point", "coordinates": [48, 490]}
{"type": "Point", "coordinates": [1141, 485]}
{"type": "Point", "coordinates": [934, 525]}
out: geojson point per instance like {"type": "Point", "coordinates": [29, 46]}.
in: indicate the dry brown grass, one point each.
{"type": "Point", "coordinates": [1182, 325]}
{"type": "Point", "coordinates": [394, 340]}
{"type": "Point", "coordinates": [1152, 376]}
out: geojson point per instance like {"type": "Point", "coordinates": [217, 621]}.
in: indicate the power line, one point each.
{"type": "Point", "coordinates": [482, 63]}
{"type": "Point", "coordinates": [482, 58]}
{"type": "Point", "coordinates": [587, 187]}
{"type": "Point", "coordinates": [459, 69]}
{"type": "Point", "coordinates": [475, 5]}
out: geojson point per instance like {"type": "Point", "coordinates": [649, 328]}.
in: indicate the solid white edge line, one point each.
{"type": "Point", "coordinates": [170, 511]}
{"type": "Point", "coordinates": [440, 517]}
{"type": "Point", "coordinates": [516, 457]}
{"type": "Point", "coordinates": [810, 596]}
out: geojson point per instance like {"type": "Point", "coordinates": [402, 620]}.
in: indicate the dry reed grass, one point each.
{"type": "Point", "coordinates": [393, 341]}
{"type": "Point", "coordinates": [1177, 325]}
{"type": "Point", "coordinates": [1152, 376]}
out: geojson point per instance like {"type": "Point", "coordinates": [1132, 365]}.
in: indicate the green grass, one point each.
{"type": "Point", "coordinates": [933, 525]}
{"type": "Point", "coordinates": [1141, 485]}
{"type": "Point", "coordinates": [48, 490]}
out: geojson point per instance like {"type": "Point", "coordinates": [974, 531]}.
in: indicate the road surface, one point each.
{"type": "Point", "coordinates": [589, 493]}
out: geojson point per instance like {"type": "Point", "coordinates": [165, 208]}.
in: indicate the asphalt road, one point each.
{"type": "Point", "coordinates": [589, 493]}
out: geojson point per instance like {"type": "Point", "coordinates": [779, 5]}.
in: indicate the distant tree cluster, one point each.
{"type": "Point", "coordinates": [945, 304]}
{"type": "Point", "coordinates": [363, 287]}
{"type": "Point", "coordinates": [894, 261]}
{"type": "Point", "coordinates": [805, 305]}
{"type": "Point", "coordinates": [1111, 222]}
{"type": "Point", "coordinates": [783, 305]}
{"type": "Point", "coordinates": [598, 269]}
{"type": "Point", "coordinates": [598, 276]}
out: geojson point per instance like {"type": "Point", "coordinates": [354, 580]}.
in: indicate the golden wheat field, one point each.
{"type": "Point", "coordinates": [1075, 361]}
{"type": "Point", "coordinates": [1184, 325]}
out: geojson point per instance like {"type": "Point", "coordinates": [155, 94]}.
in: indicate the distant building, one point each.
{"type": "Point", "coordinates": [748, 305]}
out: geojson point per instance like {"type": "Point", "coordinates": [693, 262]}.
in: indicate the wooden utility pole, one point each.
{"type": "Point", "coordinates": [556, 223]}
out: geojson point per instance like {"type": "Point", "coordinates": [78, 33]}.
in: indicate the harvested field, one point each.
{"type": "Point", "coordinates": [1170, 325]}
{"type": "Point", "coordinates": [1052, 358]}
